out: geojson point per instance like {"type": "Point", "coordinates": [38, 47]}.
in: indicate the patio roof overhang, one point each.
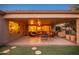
{"type": "Point", "coordinates": [2, 12]}
{"type": "Point", "coordinates": [40, 14]}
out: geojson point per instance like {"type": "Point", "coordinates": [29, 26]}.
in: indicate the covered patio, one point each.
{"type": "Point", "coordinates": [39, 38]}
{"type": "Point", "coordinates": [16, 25]}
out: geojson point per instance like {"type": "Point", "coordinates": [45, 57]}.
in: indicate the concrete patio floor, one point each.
{"type": "Point", "coordinates": [37, 41]}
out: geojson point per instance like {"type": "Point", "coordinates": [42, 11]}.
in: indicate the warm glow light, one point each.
{"type": "Point", "coordinates": [39, 23]}
{"type": "Point", "coordinates": [13, 27]}
{"type": "Point", "coordinates": [31, 21]}
{"type": "Point", "coordinates": [46, 28]}
{"type": "Point", "coordinates": [38, 28]}
{"type": "Point", "coordinates": [32, 28]}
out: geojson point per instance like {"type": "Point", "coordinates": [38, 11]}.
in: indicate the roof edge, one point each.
{"type": "Point", "coordinates": [2, 12]}
{"type": "Point", "coordinates": [40, 12]}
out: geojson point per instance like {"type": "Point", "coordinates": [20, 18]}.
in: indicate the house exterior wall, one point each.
{"type": "Point", "coordinates": [77, 29]}
{"type": "Point", "coordinates": [4, 36]}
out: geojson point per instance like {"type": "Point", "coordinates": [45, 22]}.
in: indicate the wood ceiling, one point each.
{"type": "Point", "coordinates": [51, 21]}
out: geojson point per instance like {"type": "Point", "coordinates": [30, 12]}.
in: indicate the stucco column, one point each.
{"type": "Point", "coordinates": [3, 31]}
{"type": "Point", "coordinates": [77, 29]}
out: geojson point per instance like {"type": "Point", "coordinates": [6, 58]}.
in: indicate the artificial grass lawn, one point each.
{"type": "Point", "coordinates": [46, 50]}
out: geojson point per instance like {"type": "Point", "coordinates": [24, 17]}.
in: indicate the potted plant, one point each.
{"type": "Point", "coordinates": [71, 32]}
{"type": "Point", "coordinates": [73, 36]}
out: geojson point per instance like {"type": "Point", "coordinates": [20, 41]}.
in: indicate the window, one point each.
{"type": "Point", "coordinates": [32, 28]}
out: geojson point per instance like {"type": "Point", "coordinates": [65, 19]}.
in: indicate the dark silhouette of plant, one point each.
{"type": "Point", "coordinates": [74, 7]}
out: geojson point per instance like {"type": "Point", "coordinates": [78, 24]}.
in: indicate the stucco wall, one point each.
{"type": "Point", "coordinates": [77, 25]}
{"type": "Point", "coordinates": [4, 36]}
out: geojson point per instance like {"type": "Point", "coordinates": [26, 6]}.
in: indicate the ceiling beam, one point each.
{"type": "Point", "coordinates": [41, 16]}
